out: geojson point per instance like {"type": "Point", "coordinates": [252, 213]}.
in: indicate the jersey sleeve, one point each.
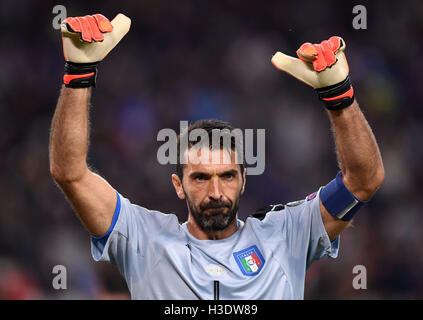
{"type": "Point", "coordinates": [300, 232]}
{"type": "Point", "coordinates": [129, 234]}
{"type": "Point", "coordinates": [306, 232]}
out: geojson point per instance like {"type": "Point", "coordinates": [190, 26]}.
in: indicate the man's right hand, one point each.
{"type": "Point", "coordinates": [86, 41]}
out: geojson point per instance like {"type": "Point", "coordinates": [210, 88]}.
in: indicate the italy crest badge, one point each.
{"type": "Point", "coordinates": [249, 260]}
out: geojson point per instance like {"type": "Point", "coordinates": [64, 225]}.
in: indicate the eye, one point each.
{"type": "Point", "coordinates": [228, 176]}
{"type": "Point", "coordinates": [199, 178]}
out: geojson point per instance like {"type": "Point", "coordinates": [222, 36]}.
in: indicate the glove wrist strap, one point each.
{"type": "Point", "coordinates": [80, 75]}
{"type": "Point", "coordinates": [337, 96]}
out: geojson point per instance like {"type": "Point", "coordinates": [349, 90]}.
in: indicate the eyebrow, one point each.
{"type": "Point", "coordinates": [196, 174]}
{"type": "Point", "coordinates": [231, 171]}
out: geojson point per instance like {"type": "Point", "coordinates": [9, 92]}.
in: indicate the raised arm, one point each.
{"type": "Point", "coordinates": [84, 45]}
{"type": "Point", "coordinates": [92, 198]}
{"type": "Point", "coordinates": [324, 67]}
{"type": "Point", "coordinates": [358, 157]}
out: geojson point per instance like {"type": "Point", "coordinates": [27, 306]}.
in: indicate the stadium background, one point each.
{"type": "Point", "coordinates": [185, 60]}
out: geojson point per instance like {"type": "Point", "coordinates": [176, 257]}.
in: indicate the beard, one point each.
{"type": "Point", "coordinates": [215, 219]}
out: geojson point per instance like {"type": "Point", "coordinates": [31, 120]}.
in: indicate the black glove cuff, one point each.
{"type": "Point", "coordinates": [337, 96]}
{"type": "Point", "coordinates": [80, 75]}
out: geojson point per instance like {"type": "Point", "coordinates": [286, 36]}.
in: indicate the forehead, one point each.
{"type": "Point", "coordinates": [210, 161]}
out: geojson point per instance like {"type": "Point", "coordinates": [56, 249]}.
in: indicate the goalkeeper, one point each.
{"type": "Point", "coordinates": [213, 255]}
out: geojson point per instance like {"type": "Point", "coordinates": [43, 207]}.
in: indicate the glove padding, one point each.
{"type": "Point", "coordinates": [324, 67]}
{"type": "Point", "coordinates": [86, 41]}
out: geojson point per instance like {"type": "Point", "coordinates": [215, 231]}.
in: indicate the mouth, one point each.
{"type": "Point", "coordinates": [215, 211]}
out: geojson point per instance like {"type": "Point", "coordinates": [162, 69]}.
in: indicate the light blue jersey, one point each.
{"type": "Point", "coordinates": [263, 259]}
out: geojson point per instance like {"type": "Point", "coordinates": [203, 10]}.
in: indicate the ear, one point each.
{"type": "Point", "coordinates": [177, 184]}
{"type": "Point", "coordinates": [244, 181]}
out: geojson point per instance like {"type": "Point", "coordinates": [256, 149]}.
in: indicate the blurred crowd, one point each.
{"type": "Point", "coordinates": [210, 59]}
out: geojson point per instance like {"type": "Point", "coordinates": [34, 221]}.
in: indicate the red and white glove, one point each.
{"type": "Point", "coordinates": [86, 41]}
{"type": "Point", "coordinates": [324, 67]}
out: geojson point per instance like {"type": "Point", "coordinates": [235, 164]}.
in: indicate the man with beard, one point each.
{"type": "Point", "coordinates": [214, 255]}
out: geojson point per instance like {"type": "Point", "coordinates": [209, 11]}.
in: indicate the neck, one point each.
{"type": "Point", "coordinates": [202, 234]}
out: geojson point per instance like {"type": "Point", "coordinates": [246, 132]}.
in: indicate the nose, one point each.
{"type": "Point", "coordinates": [215, 190]}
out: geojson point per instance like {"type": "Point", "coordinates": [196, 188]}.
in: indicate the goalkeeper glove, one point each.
{"type": "Point", "coordinates": [86, 41]}
{"type": "Point", "coordinates": [324, 67]}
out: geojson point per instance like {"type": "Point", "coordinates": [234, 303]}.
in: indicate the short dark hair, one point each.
{"type": "Point", "coordinates": [208, 125]}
